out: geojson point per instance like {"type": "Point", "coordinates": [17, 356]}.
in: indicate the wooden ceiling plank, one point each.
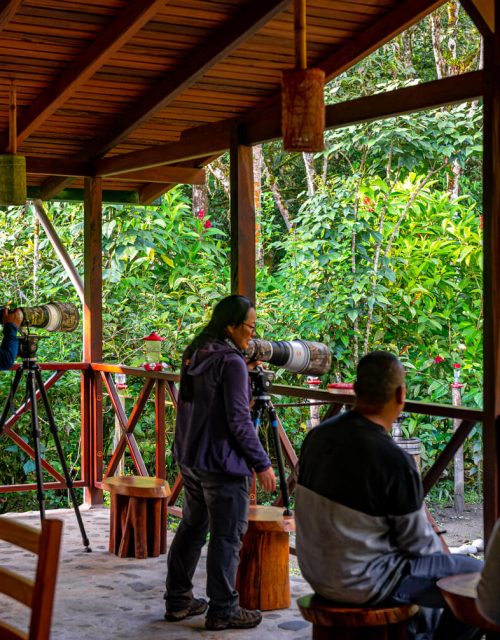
{"type": "Point", "coordinates": [77, 73]}
{"type": "Point", "coordinates": [191, 69]}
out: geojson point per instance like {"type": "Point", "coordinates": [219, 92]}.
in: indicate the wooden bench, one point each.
{"type": "Point", "coordinates": [336, 621]}
{"type": "Point", "coordinates": [263, 580]}
{"type": "Point", "coordinates": [138, 517]}
{"type": "Point", "coordinates": [460, 592]}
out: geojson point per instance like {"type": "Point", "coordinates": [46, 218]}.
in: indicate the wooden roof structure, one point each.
{"type": "Point", "coordinates": [143, 94]}
{"type": "Point", "coordinates": [120, 99]}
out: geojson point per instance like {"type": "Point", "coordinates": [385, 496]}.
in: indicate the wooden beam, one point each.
{"type": "Point", "coordinates": [213, 141]}
{"type": "Point", "coordinates": [151, 192]}
{"type": "Point", "coordinates": [482, 14]}
{"type": "Point", "coordinates": [92, 327]}
{"type": "Point", "coordinates": [110, 40]}
{"type": "Point", "coordinates": [57, 167]}
{"type": "Point", "coordinates": [170, 174]}
{"type": "Point", "coordinates": [78, 195]}
{"type": "Point", "coordinates": [59, 248]}
{"type": "Point", "coordinates": [242, 219]}
{"type": "Point", "coordinates": [491, 277]}
{"type": "Point", "coordinates": [8, 9]}
{"type": "Point", "coordinates": [215, 138]}
{"type": "Point", "coordinates": [428, 95]}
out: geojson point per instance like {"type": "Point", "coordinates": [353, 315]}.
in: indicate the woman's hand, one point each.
{"type": "Point", "coordinates": [253, 364]}
{"type": "Point", "coordinates": [267, 480]}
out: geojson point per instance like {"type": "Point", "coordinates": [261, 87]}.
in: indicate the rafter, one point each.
{"type": "Point", "coordinates": [93, 58]}
{"type": "Point", "coordinates": [8, 9]}
{"type": "Point", "coordinates": [212, 139]}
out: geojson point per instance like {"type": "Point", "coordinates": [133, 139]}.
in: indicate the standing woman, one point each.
{"type": "Point", "coordinates": [217, 448]}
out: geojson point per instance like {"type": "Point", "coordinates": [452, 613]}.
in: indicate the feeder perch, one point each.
{"type": "Point", "coordinates": [302, 96]}
{"type": "Point", "coordinates": [12, 167]}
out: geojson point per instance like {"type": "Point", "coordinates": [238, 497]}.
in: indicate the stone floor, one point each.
{"type": "Point", "coordinates": [101, 596]}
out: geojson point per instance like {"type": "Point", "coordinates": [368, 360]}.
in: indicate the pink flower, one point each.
{"type": "Point", "coordinates": [208, 224]}
{"type": "Point", "coordinates": [438, 360]}
{"type": "Point", "coordinates": [201, 214]}
{"type": "Point", "coordinates": [456, 365]}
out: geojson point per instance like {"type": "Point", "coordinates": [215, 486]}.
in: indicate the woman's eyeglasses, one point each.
{"type": "Point", "coordinates": [250, 326]}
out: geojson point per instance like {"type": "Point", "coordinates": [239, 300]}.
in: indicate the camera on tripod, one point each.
{"type": "Point", "coordinates": [297, 356]}
{"type": "Point", "coordinates": [53, 316]}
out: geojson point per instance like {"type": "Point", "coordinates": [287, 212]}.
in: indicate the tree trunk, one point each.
{"type": "Point", "coordinates": [200, 199]}
{"type": "Point", "coordinates": [310, 173]}
{"type": "Point", "coordinates": [278, 200]}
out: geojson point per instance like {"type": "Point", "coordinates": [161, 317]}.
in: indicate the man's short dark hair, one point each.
{"type": "Point", "coordinates": [378, 375]}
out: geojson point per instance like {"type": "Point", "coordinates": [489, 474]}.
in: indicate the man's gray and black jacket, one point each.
{"type": "Point", "coordinates": [359, 511]}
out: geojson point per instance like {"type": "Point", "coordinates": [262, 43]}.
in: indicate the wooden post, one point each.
{"type": "Point", "coordinates": [458, 458]}
{"type": "Point", "coordinates": [242, 219]}
{"type": "Point", "coordinates": [92, 330]}
{"type": "Point", "coordinates": [491, 212]}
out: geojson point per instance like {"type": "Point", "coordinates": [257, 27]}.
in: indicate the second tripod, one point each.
{"type": "Point", "coordinates": [27, 350]}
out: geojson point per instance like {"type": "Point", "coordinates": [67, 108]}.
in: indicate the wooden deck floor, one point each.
{"type": "Point", "coordinates": [101, 596]}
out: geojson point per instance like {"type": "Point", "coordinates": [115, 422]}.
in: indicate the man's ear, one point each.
{"type": "Point", "coordinates": [400, 394]}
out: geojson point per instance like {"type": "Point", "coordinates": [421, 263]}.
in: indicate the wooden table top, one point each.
{"type": "Point", "coordinates": [137, 486]}
{"type": "Point", "coordinates": [264, 514]}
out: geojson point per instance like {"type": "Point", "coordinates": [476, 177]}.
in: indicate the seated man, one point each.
{"type": "Point", "coordinates": [8, 349]}
{"type": "Point", "coordinates": [488, 589]}
{"type": "Point", "coordinates": [362, 533]}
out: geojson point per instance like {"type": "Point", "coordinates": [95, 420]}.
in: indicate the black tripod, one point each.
{"type": "Point", "coordinates": [261, 382]}
{"type": "Point", "coordinates": [27, 350]}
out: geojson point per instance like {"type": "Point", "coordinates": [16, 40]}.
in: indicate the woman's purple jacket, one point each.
{"type": "Point", "coordinates": [214, 431]}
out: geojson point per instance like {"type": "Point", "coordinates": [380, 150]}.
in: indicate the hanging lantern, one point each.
{"type": "Point", "coordinates": [12, 167]}
{"type": "Point", "coordinates": [302, 96]}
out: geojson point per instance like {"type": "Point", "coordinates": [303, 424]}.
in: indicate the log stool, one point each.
{"type": "Point", "coordinates": [335, 621]}
{"type": "Point", "coordinates": [138, 517]}
{"type": "Point", "coordinates": [460, 592]}
{"type": "Point", "coordinates": [263, 580]}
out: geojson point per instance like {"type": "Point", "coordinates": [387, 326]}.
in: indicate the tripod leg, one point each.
{"type": "Point", "coordinates": [12, 393]}
{"type": "Point", "coordinates": [273, 421]}
{"type": "Point", "coordinates": [62, 460]}
{"type": "Point", "coordinates": [31, 392]}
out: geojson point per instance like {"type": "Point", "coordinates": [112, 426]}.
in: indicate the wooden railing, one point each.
{"type": "Point", "coordinates": [95, 467]}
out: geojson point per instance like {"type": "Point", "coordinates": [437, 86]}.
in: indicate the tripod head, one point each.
{"type": "Point", "coordinates": [28, 346]}
{"type": "Point", "coordinates": [261, 382]}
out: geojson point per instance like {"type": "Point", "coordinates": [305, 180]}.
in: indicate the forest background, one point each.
{"type": "Point", "coordinates": [374, 243]}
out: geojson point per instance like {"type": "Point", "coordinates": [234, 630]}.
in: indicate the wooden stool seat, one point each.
{"type": "Point", "coordinates": [263, 580]}
{"type": "Point", "coordinates": [338, 621]}
{"type": "Point", "coordinates": [138, 517]}
{"type": "Point", "coordinates": [460, 592]}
